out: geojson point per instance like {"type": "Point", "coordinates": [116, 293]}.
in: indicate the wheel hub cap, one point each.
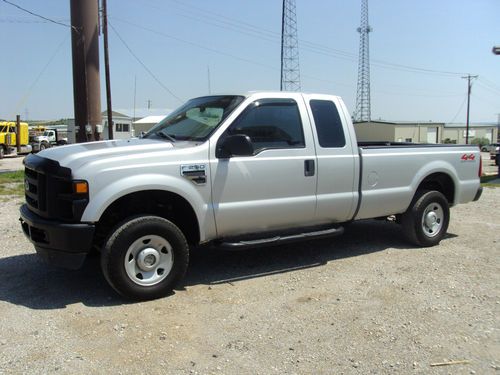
{"type": "Point", "coordinates": [432, 220]}
{"type": "Point", "coordinates": [147, 259]}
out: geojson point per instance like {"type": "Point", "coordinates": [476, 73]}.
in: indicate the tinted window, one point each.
{"type": "Point", "coordinates": [328, 123]}
{"type": "Point", "coordinates": [271, 123]}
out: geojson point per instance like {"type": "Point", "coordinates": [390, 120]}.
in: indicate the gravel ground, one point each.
{"type": "Point", "coordinates": [365, 302]}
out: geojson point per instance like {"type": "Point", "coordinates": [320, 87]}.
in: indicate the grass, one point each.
{"type": "Point", "coordinates": [486, 181]}
{"type": "Point", "coordinates": [12, 183]}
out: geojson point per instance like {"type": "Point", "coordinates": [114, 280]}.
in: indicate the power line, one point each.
{"type": "Point", "coordinates": [40, 16]}
{"type": "Point", "coordinates": [224, 53]}
{"type": "Point", "coordinates": [192, 43]}
{"type": "Point", "coordinates": [264, 34]}
{"type": "Point", "coordinates": [489, 83]}
{"type": "Point", "coordinates": [144, 65]}
{"type": "Point", "coordinates": [25, 97]}
{"type": "Point", "coordinates": [492, 89]}
{"type": "Point", "coordinates": [459, 110]}
{"type": "Point", "coordinates": [21, 20]}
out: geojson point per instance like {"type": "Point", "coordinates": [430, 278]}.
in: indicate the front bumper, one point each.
{"type": "Point", "coordinates": [58, 243]}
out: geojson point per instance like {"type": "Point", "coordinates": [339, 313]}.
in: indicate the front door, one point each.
{"type": "Point", "coordinates": [276, 186]}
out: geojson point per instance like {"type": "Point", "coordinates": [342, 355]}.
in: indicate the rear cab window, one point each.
{"type": "Point", "coordinates": [328, 123]}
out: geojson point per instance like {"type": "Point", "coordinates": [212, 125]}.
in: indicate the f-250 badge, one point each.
{"type": "Point", "coordinates": [195, 172]}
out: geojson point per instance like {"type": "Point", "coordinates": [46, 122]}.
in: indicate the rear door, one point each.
{"type": "Point", "coordinates": [337, 159]}
{"type": "Point", "coordinates": [276, 186]}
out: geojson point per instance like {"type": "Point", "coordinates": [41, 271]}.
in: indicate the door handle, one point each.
{"type": "Point", "coordinates": [309, 168]}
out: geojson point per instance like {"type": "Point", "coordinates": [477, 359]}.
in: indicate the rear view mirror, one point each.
{"type": "Point", "coordinates": [234, 145]}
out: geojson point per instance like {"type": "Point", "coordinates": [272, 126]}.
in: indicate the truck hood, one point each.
{"type": "Point", "coordinates": [76, 155]}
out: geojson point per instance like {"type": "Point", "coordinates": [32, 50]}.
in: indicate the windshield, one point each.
{"type": "Point", "coordinates": [196, 119]}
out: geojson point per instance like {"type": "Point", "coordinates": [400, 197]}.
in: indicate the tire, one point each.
{"type": "Point", "coordinates": [43, 146]}
{"type": "Point", "coordinates": [145, 257]}
{"type": "Point", "coordinates": [2, 152]}
{"type": "Point", "coordinates": [426, 221]}
{"type": "Point", "coordinates": [484, 149]}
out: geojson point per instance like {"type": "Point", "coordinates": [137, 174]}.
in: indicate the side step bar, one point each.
{"type": "Point", "coordinates": [280, 240]}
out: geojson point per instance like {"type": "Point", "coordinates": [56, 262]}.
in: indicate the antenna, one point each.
{"type": "Point", "coordinates": [363, 105]}
{"type": "Point", "coordinates": [209, 85]}
{"type": "Point", "coordinates": [135, 92]}
{"type": "Point", "coordinates": [290, 73]}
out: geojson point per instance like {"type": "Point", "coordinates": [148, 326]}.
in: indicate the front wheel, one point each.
{"type": "Point", "coordinates": [145, 257]}
{"type": "Point", "coordinates": [426, 221]}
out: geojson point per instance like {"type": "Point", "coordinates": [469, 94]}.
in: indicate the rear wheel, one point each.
{"type": "Point", "coordinates": [145, 257]}
{"type": "Point", "coordinates": [426, 221]}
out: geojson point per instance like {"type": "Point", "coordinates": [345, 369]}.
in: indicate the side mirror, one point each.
{"type": "Point", "coordinates": [234, 145]}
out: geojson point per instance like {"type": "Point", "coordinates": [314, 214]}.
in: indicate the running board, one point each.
{"type": "Point", "coordinates": [280, 240]}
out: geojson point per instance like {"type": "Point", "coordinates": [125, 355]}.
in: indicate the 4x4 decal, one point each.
{"type": "Point", "coordinates": [468, 157]}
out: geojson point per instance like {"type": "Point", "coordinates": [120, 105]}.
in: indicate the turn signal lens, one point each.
{"type": "Point", "coordinates": [81, 187]}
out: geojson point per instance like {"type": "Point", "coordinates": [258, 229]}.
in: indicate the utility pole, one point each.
{"type": "Point", "coordinates": [18, 133]}
{"type": "Point", "coordinates": [85, 56]}
{"type": "Point", "coordinates": [106, 68]}
{"type": "Point", "coordinates": [469, 85]}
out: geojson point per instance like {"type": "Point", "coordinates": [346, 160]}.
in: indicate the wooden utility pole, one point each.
{"type": "Point", "coordinates": [469, 85]}
{"type": "Point", "coordinates": [86, 83]}
{"type": "Point", "coordinates": [18, 133]}
{"type": "Point", "coordinates": [106, 67]}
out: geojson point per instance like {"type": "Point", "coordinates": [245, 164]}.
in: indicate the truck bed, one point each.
{"type": "Point", "coordinates": [392, 171]}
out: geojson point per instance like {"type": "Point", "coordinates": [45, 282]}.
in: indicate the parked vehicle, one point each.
{"type": "Point", "coordinates": [494, 152]}
{"type": "Point", "coordinates": [236, 171]}
{"type": "Point", "coordinates": [488, 148]}
{"type": "Point", "coordinates": [52, 136]}
{"type": "Point", "coordinates": [8, 138]}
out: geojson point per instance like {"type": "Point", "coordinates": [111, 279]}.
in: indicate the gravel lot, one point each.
{"type": "Point", "coordinates": [365, 302]}
{"type": "Point", "coordinates": [362, 303]}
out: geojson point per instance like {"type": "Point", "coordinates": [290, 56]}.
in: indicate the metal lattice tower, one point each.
{"type": "Point", "coordinates": [363, 106]}
{"type": "Point", "coordinates": [290, 73]}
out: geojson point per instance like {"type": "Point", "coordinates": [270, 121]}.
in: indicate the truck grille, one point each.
{"type": "Point", "coordinates": [49, 190]}
{"type": "Point", "coordinates": [34, 188]}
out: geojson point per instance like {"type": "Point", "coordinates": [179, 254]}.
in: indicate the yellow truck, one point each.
{"type": "Point", "coordinates": [8, 137]}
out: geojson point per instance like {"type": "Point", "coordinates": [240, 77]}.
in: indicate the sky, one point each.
{"type": "Point", "coordinates": [419, 52]}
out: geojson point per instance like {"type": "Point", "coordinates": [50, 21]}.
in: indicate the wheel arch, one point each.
{"type": "Point", "coordinates": [162, 203]}
{"type": "Point", "coordinates": [439, 181]}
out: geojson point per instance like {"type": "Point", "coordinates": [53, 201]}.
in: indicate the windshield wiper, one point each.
{"type": "Point", "coordinates": [165, 135]}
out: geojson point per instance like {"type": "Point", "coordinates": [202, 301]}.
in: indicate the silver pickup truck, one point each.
{"type": "Point", "coordinates": [236, 171]}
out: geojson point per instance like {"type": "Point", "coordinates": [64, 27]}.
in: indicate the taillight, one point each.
{"type": "Point", "coordinates": [480, 172]}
